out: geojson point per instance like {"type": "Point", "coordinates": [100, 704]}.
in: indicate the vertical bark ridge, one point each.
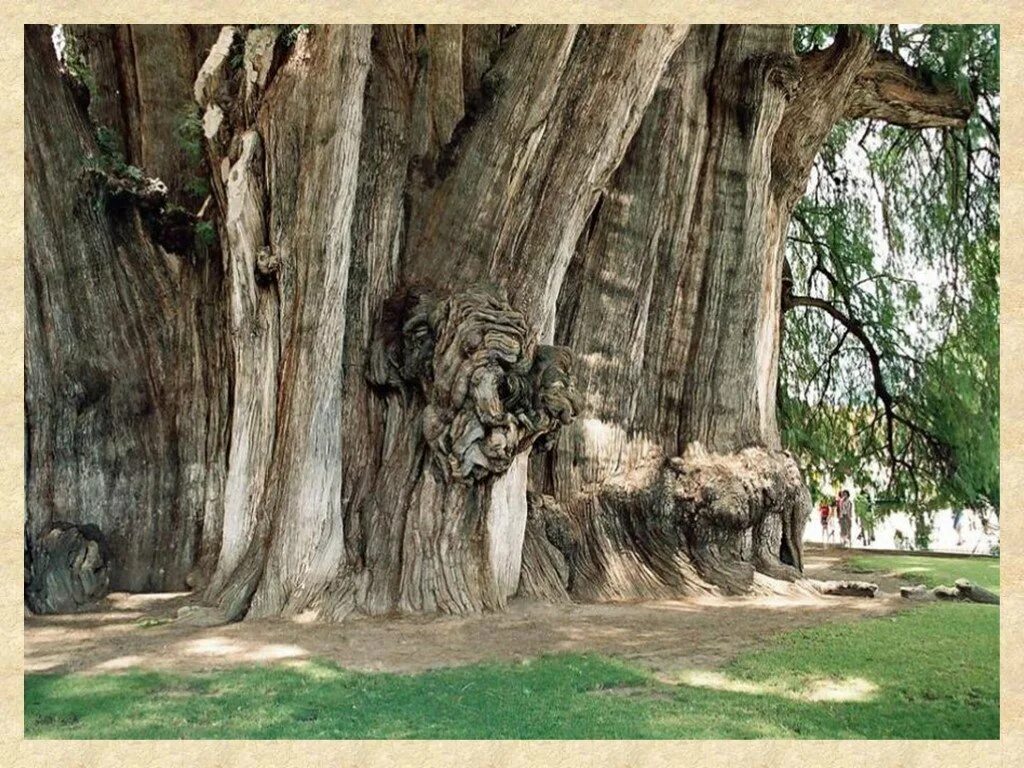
{"type": "Point", "coordinates": [654, 306]}
{"type": "Point", "coordinates": [122, 340]}
{"type": "Point", "coordinates": [254, 329]}
{"type": "Point", "coordinates": [378, 233]}
{"type": "Point", "coordinates": [292, 232]}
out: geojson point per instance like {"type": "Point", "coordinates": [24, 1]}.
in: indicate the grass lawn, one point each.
{"type": "Point", "coordinates": [931, 672]}
{"type": "Point", "coordinates": [931, 571]}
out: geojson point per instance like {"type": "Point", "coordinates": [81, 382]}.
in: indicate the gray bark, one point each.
{"type": "Point", "coordinates": [68, 568]}
{"type": "Point", "coordinates": [124, 399]}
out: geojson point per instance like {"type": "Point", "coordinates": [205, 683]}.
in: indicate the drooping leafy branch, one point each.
{"type": "Point", "coordinates": [890, 368]}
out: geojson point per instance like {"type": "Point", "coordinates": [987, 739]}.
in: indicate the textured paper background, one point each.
{"type": "Point", "coordinates": [15, 751]}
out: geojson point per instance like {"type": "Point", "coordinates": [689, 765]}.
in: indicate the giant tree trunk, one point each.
{"type": "Point", "coordinates": [125, 398]}
{"type": "Point", "coordinates": [493, 309]}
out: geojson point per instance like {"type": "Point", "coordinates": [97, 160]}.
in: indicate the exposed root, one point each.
{"type": "Point", "coordinates": [548, 547]}
{"type": "Point", "coordinates": [963, 590]}
{"type": "Point", "coordinates": [975, 594]}
{"type": "Point", "coordinates": [967, 592]}
{"type": "Point", "coordinates": [848, 588]}
{"type": "Point", "coordinates": [697, 524]}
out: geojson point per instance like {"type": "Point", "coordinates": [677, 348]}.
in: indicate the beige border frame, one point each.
{"type": "Point", "coordinates": [16, 751]}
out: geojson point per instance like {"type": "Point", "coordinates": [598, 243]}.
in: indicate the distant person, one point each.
{"type": "Point", "coordinates": [823, 511]}
{"type": "Point", "coordinates": [958, 526]}
{"type": "Point", "coordinates": [862, 534]}
{"type": "Point", "coordinates": [845, 513]}
{"type": "Point", "coordinates": [868, 529]}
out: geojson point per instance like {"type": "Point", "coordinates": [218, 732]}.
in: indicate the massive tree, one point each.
{"type": "Point", "coordinates": [416, 319]}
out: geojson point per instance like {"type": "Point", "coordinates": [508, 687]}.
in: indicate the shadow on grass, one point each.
{"type": "Point", "coordinates": [926, 673]}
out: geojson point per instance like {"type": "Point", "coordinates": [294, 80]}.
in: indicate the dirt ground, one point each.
{"type": "Point", "coordinates": [138, 632]}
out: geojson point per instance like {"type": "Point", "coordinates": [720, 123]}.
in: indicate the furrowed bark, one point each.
{"type": "Point", "coordinates": [292, 229]}
{"type": "Point", "coordinates": [378, 234]}
{"type": "Point", "coordinates": [499, 187]}
{"type": "Point", "coordinates": [456, 264]}
{"type": "Point", "coordinates": [674, 351]}
{"type": "Point", "coordinates": [124, 355]}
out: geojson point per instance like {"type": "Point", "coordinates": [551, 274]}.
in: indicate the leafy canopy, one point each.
{"type": "Point", "coordinates": [899, 231]}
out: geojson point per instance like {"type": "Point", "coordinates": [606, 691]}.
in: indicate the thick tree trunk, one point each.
{"type": "Point", "coordinates": [124, 401]}
{"type": "Point", "coordinates": [672, 309]}
{"type": "Point", "coordinates": [143, 79]}
{"type": "Point", "coordinates": [442, 250]}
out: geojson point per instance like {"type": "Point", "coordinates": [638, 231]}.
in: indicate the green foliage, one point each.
{"type": "Point", "coordinates": [106, 165]}
{"type": "Point", "coordinates": [926, 673]}
{"type": "Point", "coordinates": [198, 187]}
{"type": "Point", "coordinates": [900, 232]}
{"type": "Point", "coordinates": [110, 159]}
{"type": "Point", "coordinates": [188, 132]}
{"type": "Point", "coordinates": [206, 232]}
{"type": "Point", "coordinates": [965, 55]}
{"type": "Point", "coordinates": [923, 526]}
{"type": "Point", "coordinates": [73, 62]}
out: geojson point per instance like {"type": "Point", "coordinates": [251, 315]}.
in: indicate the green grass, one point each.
{"type": "Point", "coordinates": [931, 571]}
{"type": "Point", "coordinates": [927, 673]}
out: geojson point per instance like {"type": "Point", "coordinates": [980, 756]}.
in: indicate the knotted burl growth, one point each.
{"type": "Point", "coordinates": [490, 391]}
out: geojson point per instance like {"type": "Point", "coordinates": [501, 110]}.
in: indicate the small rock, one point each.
{"type": "Point", "coordinates": [201, 616]}
{"type": "Point", "coordinates": [918, 592]}
{"type": "Point", "coordinates": [849, 588]}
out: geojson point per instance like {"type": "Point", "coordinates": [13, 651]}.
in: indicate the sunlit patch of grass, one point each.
{"type": "Point", "coordinates": [826, 689]}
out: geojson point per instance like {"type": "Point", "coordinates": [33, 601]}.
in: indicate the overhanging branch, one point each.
{"type": "Point", "coordinates": [890, 89]}
{"type": "Point", "coordinates": [889, 402]}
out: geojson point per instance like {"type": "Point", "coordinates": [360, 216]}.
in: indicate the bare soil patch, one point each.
{"type": "Point", "coordinates": [137, 631]}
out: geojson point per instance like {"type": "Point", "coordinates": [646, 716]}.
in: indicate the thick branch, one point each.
{"type": "Point", "coordinates": [824, 79]}
{"type": "Point", "coordinates": [890, 89]}
{"type": "Point", "coordinates": [856, 328]}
